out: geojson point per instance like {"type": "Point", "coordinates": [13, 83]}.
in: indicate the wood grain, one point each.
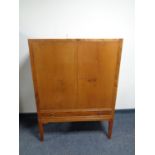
{"type": "Point", "coordinates": [75, 79]}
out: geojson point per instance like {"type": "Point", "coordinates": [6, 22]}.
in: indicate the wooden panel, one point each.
{"type": "Point", "coordinates": [54, 67]}
{"type": "Point", "coordinates": [73, 118]}
{"type": "Point", "coordinates": [97, 67]}
{"type": "Point", "coordinates": [75, 74]}
{"type": "Point", "coordinates": [75, 112]}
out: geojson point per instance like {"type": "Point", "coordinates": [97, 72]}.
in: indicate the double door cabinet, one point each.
{"type": "Point", "coordinates": [75, 79]}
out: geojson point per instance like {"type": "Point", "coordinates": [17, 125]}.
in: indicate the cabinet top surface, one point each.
{"type": "Point", "coordinates": [78, 39]}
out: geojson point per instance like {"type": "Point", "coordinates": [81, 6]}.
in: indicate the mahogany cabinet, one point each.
{"type": "Point", "coordinates": [75, 79]}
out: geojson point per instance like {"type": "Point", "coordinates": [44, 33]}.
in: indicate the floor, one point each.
{"type": "Point", "coordinates": [87, 138]}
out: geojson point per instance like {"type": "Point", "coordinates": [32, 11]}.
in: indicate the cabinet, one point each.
{"type": "Point", "coordinates": [75, 79]}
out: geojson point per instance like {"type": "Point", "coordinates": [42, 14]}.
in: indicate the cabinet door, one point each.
{"type": "Point", "coordinates": [97, 73]}
{"type": "Point", "coordinates": [54, 73]}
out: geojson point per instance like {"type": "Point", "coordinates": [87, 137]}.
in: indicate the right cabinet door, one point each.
{"type": "Point", "coordinates": [98, 65]}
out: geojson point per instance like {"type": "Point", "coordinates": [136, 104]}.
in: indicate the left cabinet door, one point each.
{"type": "Point", "coordinates": [54, 71]}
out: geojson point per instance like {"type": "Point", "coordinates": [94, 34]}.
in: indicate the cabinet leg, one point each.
{"type": "Point", "coordinates": [110, 126]}
{"type": "Point", "coordinates": [41, 130]}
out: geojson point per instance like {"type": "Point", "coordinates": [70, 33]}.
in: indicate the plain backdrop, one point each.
{"type": "Point", "coordinates": [77, 19]}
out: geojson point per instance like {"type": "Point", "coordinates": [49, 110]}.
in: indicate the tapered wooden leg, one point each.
{"type": "Point", "coordinates": [41, 130]}
{"type": "Point", "coordinates": [110, 128]}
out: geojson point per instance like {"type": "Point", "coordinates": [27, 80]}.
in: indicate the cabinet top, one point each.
{"type": "Point", "coordinates": [48, 39]}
